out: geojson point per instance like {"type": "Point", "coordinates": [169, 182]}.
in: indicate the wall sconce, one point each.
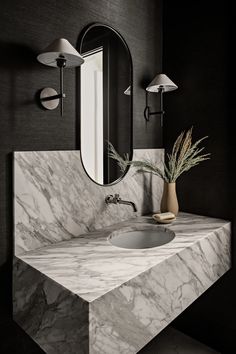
{"type": "Point", "coordinates": [161, 83]}
{"type": "Point", "coordinates": [59, 54]}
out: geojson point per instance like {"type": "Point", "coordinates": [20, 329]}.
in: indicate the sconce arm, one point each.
{"type": "Point", "coordinates": [152, 113]}
{"type": "Point", "coordinates": [148, 113]}
{"type": "Point", "coordinates": [54, 97]}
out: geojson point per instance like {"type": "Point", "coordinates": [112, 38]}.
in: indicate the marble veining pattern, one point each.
{"type": "Point", "coordinates": [55, 200]}
{"type": "Point", "coordinates": [131, 294]}
{"type": "Point", "coordinates": [90, 266]}
{"type": "Point", "coordinates": [53, 316]}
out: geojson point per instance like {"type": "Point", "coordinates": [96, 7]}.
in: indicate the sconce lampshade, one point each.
{"type": "Point", "coordinates": [60, 48]}
{"type": "Point", "coordinates": [161, 83]}
{"type": "Point", "coordinates": [128, 91]}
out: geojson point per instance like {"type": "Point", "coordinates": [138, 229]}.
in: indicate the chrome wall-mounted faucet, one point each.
{"type": "Point", "coordinates": [110, 199]}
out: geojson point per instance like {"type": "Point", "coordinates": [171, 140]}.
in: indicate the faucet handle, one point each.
{"type": "Point", "coordinates": [109, 199]}
{"type": "Point", "coordinates": [117, 197]}
{"type": "Point", "coordinates": [112, 199]}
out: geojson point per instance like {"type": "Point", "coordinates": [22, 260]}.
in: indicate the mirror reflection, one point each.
{"type": "Point", "coordinates": [105, 102]}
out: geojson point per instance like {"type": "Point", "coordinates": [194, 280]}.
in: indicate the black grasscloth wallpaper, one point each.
{"type": "Point", "coordinates": [26, 27]}
{"type": "Point", "coordinates": [197, 49]}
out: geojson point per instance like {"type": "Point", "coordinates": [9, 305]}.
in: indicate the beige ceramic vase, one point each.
{"type": "Point", "coordinates": [169, 200]}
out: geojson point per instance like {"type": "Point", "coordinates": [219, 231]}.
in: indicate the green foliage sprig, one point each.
{"type": "Point", "coordinates": [183, 157]}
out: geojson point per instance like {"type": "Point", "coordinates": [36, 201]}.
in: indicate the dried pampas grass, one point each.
{"type": "Point", "coordinates": [183, 157]}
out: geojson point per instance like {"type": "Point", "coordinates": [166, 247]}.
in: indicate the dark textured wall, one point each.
{"type": "Point", "coordinates": [196, 37]}
{"type": "Point", "coordinates": [26, 27]}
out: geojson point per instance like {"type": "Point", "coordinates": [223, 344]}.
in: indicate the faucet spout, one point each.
{"type": "Point", "coordinates": [127, 202]}
{"type": "Point", "coordinates": [110, 199]}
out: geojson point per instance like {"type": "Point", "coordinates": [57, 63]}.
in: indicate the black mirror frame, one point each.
{"type": "Point", "coordinates": [78, 99]}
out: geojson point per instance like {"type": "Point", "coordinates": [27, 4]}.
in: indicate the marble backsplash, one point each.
{"type": "Point", "coordinates": [55, 200]}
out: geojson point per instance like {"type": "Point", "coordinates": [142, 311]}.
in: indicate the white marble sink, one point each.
{"type": "Point", "coordinates": [142, 238]}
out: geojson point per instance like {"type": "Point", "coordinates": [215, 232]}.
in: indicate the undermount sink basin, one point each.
{"type": "Point", "coordinates": [138, 239]}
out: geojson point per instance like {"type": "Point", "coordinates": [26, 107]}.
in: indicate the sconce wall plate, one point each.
{"type": "Point", "coordinates": [47, 99]}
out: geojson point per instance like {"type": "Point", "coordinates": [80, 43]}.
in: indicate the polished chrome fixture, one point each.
{"type": "Point", "coordinates": [59, 54]}
{"type": "Point", "coordinates": [110, 199]}
{"type": "Point", "coordinates": [160, 84]}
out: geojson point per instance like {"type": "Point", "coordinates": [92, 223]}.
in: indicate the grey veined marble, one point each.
{"type": "Point", "coordinates": [84, 295]}
{"type": "Point", "coordinates": [55, 200]}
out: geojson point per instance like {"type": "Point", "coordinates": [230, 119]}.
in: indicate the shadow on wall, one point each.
{"type": "Point", "coordinates": [147, 186]}
{"type": "Point", "coordinates": [16, 60]}
{"type": "Point", "coordinates": [17, 57]}
{"type": "Point", "coordinates": [6, 268]}
{"type": "Point", "coordinates": [6, 295]}
{"type": "Point", "coordinates": [15, 339]}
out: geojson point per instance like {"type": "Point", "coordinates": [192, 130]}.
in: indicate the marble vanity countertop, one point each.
{"type": "Point", "coordinates": [86, 296]}
{"type": "Point", "coordinates": [90, 266]}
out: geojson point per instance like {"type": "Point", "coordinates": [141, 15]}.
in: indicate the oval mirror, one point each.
{"type": "Point", "coordinates": [105, 102]}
